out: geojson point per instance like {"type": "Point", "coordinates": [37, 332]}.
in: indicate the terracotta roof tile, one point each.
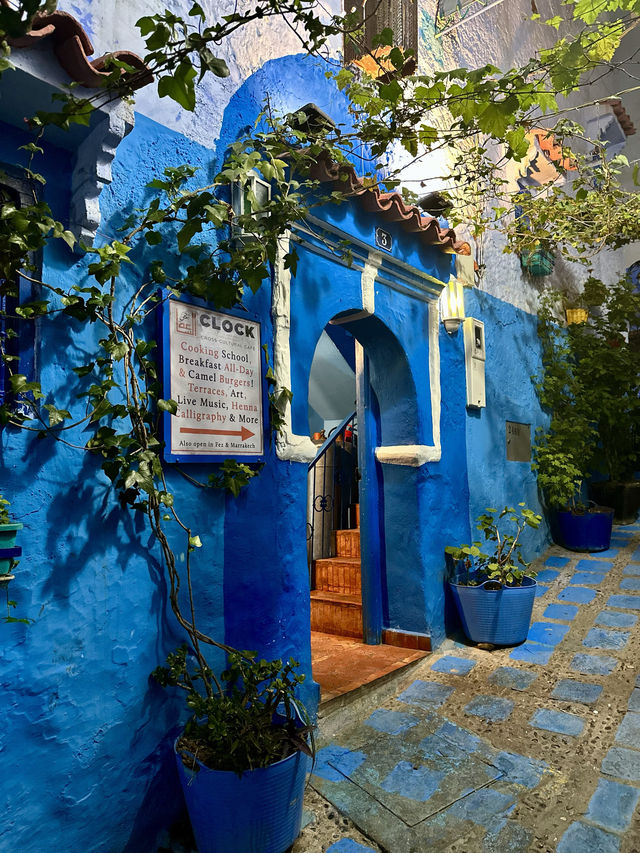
{"type": "Point", "coordinates": [621, 114]}
{"type": "Point", "coordinates": [72, 47]}
{"type": "Point", "coordinates": [390, 206]}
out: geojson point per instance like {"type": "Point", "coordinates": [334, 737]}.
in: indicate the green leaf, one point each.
{"type": "Point", "coordinates": [168, 406]}
{"type": "Point", "coordinates": [56, 416]}
{"type": "Point", "coordinates": [180, 86]}
{"type": "Point", "coordinates": [153, 238]}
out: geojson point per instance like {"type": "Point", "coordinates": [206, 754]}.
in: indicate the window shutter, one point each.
{"type": "Point", "coordinates": [401, 16]}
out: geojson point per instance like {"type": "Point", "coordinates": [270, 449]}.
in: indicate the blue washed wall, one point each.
{"type": "Point", "coordinates": [86, 732]}
{"type": "Point", "coordinates": [513, 357]}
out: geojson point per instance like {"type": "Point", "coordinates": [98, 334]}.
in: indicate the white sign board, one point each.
{"type": "Point", "coordinates": [214, 372]}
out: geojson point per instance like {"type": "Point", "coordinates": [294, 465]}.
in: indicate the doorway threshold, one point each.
{"type": "Point", "coordinates": [343, 666]}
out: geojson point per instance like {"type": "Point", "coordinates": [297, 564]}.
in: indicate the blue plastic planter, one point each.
{"type": "Point", "coordinates": [498, 616]}
{"type": "Point", "coordinates": [588, 531]}
{"type": "Point", "coordinates": [8, 549]}
{"type": "Point", "coordinates": [258, 812]}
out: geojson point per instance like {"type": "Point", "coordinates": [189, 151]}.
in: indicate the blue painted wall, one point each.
{"type": "Point", "coordinates": [85, 731]}
{"type": "Point", "coordinates": [513, 358]}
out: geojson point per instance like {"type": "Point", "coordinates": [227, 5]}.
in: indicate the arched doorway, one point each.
{"type": "Point", "coordinates": [347, 540]}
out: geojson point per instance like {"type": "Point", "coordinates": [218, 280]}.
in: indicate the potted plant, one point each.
{"type": "Point", "coordinates": [608, 370]}
{"type": "Point", "coordinates": [565, 451]}
{"type": "Point", "coordinates": [244, 754]}
{"type": "Point", "coordinates": [9, 551]}
{"type": "Point", "coordinates": [537, 261]}
{"type": "Point", "coordinates": [574, 524]}
{"type": "Point", "coordinates": [494, 593]}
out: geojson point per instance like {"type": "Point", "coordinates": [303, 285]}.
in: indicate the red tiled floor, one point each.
{"type": "Point", "coordinates": [341, 664]}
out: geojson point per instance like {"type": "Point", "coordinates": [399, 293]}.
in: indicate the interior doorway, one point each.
{"type": "Point", "coordinates": [333, 509]}
{"type": "Point", "coordinates": [356, 359]}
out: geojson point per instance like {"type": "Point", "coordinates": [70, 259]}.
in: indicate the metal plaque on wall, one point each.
{"type": "Point", "coordinates": [518, 442]}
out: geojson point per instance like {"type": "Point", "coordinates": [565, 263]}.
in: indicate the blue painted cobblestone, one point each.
{"type": "Point", "coordinates": [582, 838]}
{"type": "Point", "coordinates": [391, 722]}
{"type": "Point", "coordinates": [449, 732]}
{"type": "Point", "coordinates": [557, 562]}
{"type": "Point", "coordinates": [625, 602]}
{"type": "Point", "coordinates": [605, 638]}
{"type": "Point", "coordinates": [491, 708]}
{"type": "Point", "coordinates": [547, 633]}
{"type": "Point", "coordinates": [631, 569]}
{"type": "Point", "coordinates": [592, 578]}
{"type": "Point", "coordinates": [426, 694]}
{"type": "Point", "coordinates": [481, 807]}
{"type": "Point", "coordinates": [632, 584]}
{"type": "Point", "coordinates": [609, 553]}
{"type": "Point", "coordinates": [614, 619]}
{"type": "Point", "coordinates": [628, 733]}
{"type": "Point", "coordinates": [577, 594]}
{"type": "Point", "coordinates": [453, 665]}
{"type": "Point", "coordinates": [565, 612]}
{"type": "Point", "coordinates": [414, 783]}
{"type": "Point", "coordinates": [612, 805]}
{"type": "Point", "coordinates": [519, 769]}
{"type": "Point", "coordinates": [348, 845]}
{"type": "Point", "coordinates": [541, 590]}
{"type": "Point", "coordinates": [532, 653]}
{"type": "Point", "coordinates": [634, 700]}
{"type": "Point", "coordinates": [569, 690]}
{"type": "Point", "coordinates": [590, 565]}
{"type": "Point", "coordinates": [593, 664]}
{"type": "Point", "coordinates": [620, 542]}
{"type": "Point", "coordinates": [335, 762]}
{"type": "Point", "coordinates": [559, 722]}
{"type": "Point", "coordinates": [547, 576]}
{"type": "Point", "coordinates": [509, 676]}
{"type": "Point", "coordinates": [623, 763]}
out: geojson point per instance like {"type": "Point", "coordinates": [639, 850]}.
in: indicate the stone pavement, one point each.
{"type": "Point", "coordinates": [529, 748]}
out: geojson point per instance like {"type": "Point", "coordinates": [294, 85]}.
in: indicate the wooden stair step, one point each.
{"type": "Point", "coordinates": [348, 543]}
{"type": "Point", "coordinates": [338, 574]}
{"type": "Point", "coordinates": [336, 613]}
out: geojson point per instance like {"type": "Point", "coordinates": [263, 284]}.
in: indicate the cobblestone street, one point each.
{"type": "Point", "coordinates": [529, 748]}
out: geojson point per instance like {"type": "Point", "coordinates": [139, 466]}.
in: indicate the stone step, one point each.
{"type": "Point", "coordinates": [348, 543]}
{"type": "Point", "coordinates": [336, 613]}
{"type": "Point", "coordinates": [338, 574]}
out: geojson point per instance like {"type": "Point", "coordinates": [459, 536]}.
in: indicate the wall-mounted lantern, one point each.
{"type": "Point", "coordinates": [452, 306]}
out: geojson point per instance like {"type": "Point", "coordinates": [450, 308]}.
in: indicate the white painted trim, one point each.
{"type": "Point", "coordinates": [367, 281]}
{"type": "Point", "coordinates": [290, 447]}
{"type": "Point", "coordinates": [300, 448]}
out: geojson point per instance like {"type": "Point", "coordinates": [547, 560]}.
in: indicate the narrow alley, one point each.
{"type": "Point", "coordinates": [529, 748]}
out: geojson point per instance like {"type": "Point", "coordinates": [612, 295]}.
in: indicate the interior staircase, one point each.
{"type": "Point", "coordinates": [336, 600]}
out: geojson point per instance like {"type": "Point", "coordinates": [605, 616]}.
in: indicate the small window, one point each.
{"type": "Point", "coordinates": [401, 16]}
{"type": "Point", "coordinates": [251, 197]}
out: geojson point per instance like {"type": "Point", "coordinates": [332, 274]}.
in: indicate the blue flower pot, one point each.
{"type": "Point", "coordinates": [258, 812]}
{"type": "Point", "coordinates": [587, 531]}
{"type": "Point", "coordinates": [497, 616]}
{"type": "Point", "coordinates": [9, 551]}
